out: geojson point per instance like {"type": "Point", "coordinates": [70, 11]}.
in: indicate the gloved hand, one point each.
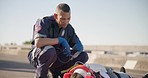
{"type": "Point", "coordinates": [78, 46]}
{"type": "Point", "coordinates": [65, 44]}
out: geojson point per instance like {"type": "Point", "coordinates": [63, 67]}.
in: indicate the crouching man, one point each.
{"type": "Point", "coordinates": [56, 47]}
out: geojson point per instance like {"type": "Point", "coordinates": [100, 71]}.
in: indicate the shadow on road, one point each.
{"type": "Point", "coordinates": [16, 66]}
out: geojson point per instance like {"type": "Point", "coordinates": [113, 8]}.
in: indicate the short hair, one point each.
{"type": "Point", "coordinates": [63, 7]}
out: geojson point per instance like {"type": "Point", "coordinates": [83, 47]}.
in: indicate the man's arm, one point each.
{"type": "Point", "coordinates": [40, 42]}
{"type": "Point", "coordinates": [78, 46]}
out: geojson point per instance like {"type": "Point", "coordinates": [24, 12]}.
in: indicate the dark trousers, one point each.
{"type": "Point", "coordinates": [56, 62]}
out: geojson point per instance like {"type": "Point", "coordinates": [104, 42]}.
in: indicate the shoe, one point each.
{"type": "Point", "coordinates": [122, 69]}
{"type": "Point", "coordinates": [145, 76]}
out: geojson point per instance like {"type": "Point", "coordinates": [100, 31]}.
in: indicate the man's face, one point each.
{"type": "Point", "coordinates": [63, 19]}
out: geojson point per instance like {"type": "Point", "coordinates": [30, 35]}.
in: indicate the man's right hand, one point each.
{"type": "Point", "coordinates": [65, 44]}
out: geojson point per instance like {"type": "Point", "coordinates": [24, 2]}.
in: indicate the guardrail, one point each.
{"type": "Point", "coordinates": [109, 55]}
{"type": "Point", "coordinates": [15, 49]}
{"type": "Point", "coordinates": [106, 49]}
{"type": "Point", "coordinates": [117, 48]}
{"type": "Point", "coordinates": [112, 50]}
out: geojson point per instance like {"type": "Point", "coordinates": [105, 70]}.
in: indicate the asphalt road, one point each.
{"type": "Point", "coordinates": [14, 66]}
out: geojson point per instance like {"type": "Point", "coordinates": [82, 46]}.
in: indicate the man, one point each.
{"type": "Point", "coordinates": [56, 45]}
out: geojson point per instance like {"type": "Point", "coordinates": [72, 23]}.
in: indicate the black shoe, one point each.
{"type": "Point", "coordinates": [122, 69]}
{"type": "Point", "coordinates": [52, 74]}
{"type": "Point", "coordinates": [145, 76]}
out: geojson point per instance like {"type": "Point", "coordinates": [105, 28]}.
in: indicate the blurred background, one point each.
{"type": "Point", "coordinates": [114, 33]}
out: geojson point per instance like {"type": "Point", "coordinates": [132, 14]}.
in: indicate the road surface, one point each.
{"type": "Point", "coordinates": [14, 66]}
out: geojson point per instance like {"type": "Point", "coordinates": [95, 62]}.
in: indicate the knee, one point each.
{"type": "Point", "coordinates": [84, 57]}
{"type": "Point", "coordinates": [48, 52]}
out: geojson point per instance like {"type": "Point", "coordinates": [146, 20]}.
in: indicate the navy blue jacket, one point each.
{"type": "Point", "coordinates": [47, 27]}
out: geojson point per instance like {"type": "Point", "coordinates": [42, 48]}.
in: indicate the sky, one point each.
{"type": "Point", "coordinates": [96, 22]}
